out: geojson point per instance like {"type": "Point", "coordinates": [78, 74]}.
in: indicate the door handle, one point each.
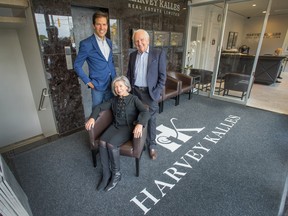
{"type": "Point", "coordinates": [44, 94]}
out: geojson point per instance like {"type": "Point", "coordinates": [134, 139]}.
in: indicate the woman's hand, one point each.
{"type": "Point", "coordinates": [138, 131]}
{"type": "Point", "coordinates": [90, 124]}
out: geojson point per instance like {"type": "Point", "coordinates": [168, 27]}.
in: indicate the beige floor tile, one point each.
{"type": "Point", "coordinates": [271, 97]}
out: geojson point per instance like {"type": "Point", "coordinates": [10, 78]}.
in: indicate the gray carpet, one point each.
{"type": "Point", "coordinates": [232, 162]}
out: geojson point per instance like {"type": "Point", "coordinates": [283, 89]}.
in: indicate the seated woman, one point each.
{"type": "Point", "coordinates": [129, 117]}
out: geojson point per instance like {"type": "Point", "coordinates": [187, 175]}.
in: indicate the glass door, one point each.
{"type": "Point", "coordinates": [242, 39]}
{"type": "Point", "coordinates": [229, 47]}
{"type": "Point", "coordinates": [204, 35]}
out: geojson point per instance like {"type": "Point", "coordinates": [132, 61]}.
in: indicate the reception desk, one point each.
{"type": "Point", "coordinates": [267, 69]}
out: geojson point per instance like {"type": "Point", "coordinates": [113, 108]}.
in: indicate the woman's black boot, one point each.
{"type": "Point", "coordinates": [114, 156]}
{"type": "Point", "coordinates": [106, 174]}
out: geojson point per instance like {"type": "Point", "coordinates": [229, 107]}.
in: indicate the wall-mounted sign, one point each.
{"type": "Point", "coordinates": [156, 6]}
{"type": "Point", "coordinates": [269, 35]}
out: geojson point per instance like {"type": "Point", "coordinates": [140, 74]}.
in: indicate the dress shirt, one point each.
{"type": "Point", "coordinates": [141, 69]}
{"type": "Point", "coordinates": [104, 47]}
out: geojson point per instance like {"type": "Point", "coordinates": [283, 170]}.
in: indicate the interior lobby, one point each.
{"type": "Point", "coordinates": [220, 44]}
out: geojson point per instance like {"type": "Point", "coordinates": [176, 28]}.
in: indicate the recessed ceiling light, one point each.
{"type": "Point", "coordinates": [254, 5]}
{"type": "Point", "coordinates": [263, 11]}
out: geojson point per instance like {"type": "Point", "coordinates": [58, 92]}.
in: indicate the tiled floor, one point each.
{"type": "Point", "coordinates": [271, 97]}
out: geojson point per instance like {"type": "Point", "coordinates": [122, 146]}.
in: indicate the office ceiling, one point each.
{"type": "Point", "coordinates": [246, 9]}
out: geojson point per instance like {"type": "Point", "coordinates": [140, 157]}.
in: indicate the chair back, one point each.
{"type": "Point", "coordinates": [236, 82]}
{"type": "Point", "coordinates": [205, 75]}
{"type": "Point", "coordinates": [187, 81]}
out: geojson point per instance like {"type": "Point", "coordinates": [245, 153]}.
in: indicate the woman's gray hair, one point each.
{"type": "Point", "coordinates": [124, 79]}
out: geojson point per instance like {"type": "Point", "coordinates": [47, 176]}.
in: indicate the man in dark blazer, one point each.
{"type": "Point", "coordinates": [96, 50]}
{"type": "Point", "coordinates": [147, 75]}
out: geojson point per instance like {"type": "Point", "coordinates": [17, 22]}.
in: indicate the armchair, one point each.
{"type": "Point", "coordinates": [171, 90]}
{"type": "Point", "coordinates": [187, 82]}
{"type": "Point", "coordinates": [132, 148]}
{"type": "Point", "coordinates": [236, 82]}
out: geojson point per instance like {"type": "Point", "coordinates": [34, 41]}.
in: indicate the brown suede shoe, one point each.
{"type": "Point", "coordinates": [153, 154]}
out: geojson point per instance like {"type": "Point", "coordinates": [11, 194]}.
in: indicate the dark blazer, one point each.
{"type": "Point", "coordinates": [135, 110]}
{"type": "Point", "coordinates": [100, 69]}
{"type": "Point", "coordinates": [156, 71]}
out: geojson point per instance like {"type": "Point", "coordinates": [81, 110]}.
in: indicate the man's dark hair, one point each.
{"type": "Point", "coordinates": [99, 14]}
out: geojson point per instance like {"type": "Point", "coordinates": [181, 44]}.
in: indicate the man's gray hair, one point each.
{"type": "Point", "coordinates": [141, 30]}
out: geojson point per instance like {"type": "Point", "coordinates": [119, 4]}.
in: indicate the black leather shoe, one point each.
{"type": "Point", "coordinates": [153, 154]}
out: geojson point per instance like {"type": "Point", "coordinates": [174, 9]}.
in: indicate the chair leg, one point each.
{"type": "Point", "coordinates": [177, 100]}
{"type": "Point", "coordinates": [137, 161]}
{"type": "Point", "coordinates": [189, 94]}
{"type": "Point", "coordinates": [161, 104]}
{"type": "Point", "coordinates": [94, 153]}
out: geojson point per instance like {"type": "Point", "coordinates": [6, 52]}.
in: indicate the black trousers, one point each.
{"type": "Point", "coordinates": [144, 96]}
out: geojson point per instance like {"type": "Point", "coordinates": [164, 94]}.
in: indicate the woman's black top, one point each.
{"type": "Point", "coordinates": [127, 110]}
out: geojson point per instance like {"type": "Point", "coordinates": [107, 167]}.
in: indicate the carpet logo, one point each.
{"type": "Point", "coordinates": [150, 195]}
{"type": "Point", "coordinates": [169, 138]}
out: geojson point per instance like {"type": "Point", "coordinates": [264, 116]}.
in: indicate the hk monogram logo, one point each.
{"type": "Point", "coordinates": [173, 138]}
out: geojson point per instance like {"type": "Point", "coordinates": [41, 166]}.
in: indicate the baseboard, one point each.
{"type": "Point", "coordinates": [27, 144]}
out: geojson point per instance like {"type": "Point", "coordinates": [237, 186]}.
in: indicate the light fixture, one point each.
{"type": "Point", "coordinates": [264, 12]}
{"type": "Point", "coordinates": [254, 5]}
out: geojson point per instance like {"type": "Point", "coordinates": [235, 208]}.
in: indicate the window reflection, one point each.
{"type": "Point", "coordinates": [54, 28]}
{"type": "Point", "coordinates": [56, 42]}
{"type": "Point", "coordinates": [116, 45]}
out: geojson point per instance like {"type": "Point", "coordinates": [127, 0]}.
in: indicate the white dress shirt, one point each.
{"type": "Point", "coordinates": [104, 47]}
{"type": "Point", "coordinates": [141, 69]}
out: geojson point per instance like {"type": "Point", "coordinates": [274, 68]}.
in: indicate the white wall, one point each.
{"type": "Point", "coordinates": [234, 23]}
{"type": "Point", "coordinates": [205, 17]}
{"type": "Point", "coordinates": [18, 115]}
{"type": "Point", "coordinates": [275, 24]}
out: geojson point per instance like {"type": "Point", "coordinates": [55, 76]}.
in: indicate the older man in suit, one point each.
{"type": "Point", "coordinates": [147, 75]}
{"type": "Point", "coordinates": [96, 50]}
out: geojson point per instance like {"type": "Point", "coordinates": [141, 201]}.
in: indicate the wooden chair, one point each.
{"type": "Point", "coordinates": [132, 148]}
{"type": "Point", "coordinates": [171, 90]}
{"type": "Point", "coordinates": [187, 82]}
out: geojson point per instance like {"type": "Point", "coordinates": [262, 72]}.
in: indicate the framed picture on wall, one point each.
{"type": "Point", "coordinates": [230, 40]}
{"type": "Point", "coordinates": [234, 39]}
{"type": "Point", "coordinates": [176, 39]}
{"type": "Point", "coordinates": [161, 38]}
